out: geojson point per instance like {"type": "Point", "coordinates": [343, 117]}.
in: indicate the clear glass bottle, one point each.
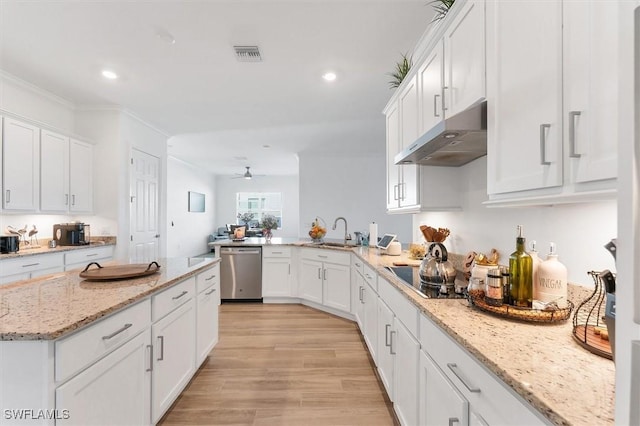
{"type": "Point", "coordinates": [521, 271]}
{"type": "Point", "coordinates": [493, 289]}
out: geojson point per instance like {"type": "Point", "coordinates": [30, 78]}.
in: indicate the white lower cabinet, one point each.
{"type": "Point", "coordinates": [406, 351]}
{"type": "Point", "coordinates": [440, 401]}
{"type": "Point", "coordinates": [207, 309]}
{"type": "Point", "coordinates": [276, 272]}
{"type": "Point", "coordinates": [454, 385]}
{"type": "Point", "coordinates": [173, 340]}
{"type": "Point", "coordinates": [385, 352]}
{"type": "Point", "coordinates": [370, 322]}
{"type": "Point", "coordinates": [113, 391]}
{"type": "Point", "coordinates": [23, 268]}
{"type": "Point", "coordinates": [325, 279]}
{"type": "Point", "coordinates": [357, 289]}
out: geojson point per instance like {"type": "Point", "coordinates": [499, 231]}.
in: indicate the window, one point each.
{"type": "Point", "coordinates": [258, 204]}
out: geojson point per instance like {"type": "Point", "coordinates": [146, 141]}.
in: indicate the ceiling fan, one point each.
{"type": "Point", "coordinates": [246, 175]}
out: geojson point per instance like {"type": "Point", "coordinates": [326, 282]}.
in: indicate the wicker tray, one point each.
{"type": "Point", "coordinates": [521, 314]}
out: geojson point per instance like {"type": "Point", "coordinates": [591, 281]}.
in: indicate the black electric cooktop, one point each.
{"type": "Point", "coordinates": [406, 275]}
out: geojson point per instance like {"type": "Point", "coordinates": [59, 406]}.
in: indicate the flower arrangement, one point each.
{"type": "Point", "coordinates": [269, 222]}
{"type": "Point", "coordinates": [246, 217]}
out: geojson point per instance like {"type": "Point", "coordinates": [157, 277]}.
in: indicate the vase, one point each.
{"type": "Point", "coordinates": [267, 234]}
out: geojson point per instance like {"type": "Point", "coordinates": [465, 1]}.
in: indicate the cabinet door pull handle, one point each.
{"type": "Point", "coordinates": [180, 295]}
{"type": "Point", "coordinates": [8, 196]}
{"type": "Point", "coordinates": [161, 357]}
{"type": "Point", "coordinates": [358, 265]}
{"type": "Point", "coordinates": [454, 369]}
{"type": "Point", "coordinates": [322, 256]}
{"type": "Point", "coordinates": [73, 199]}
{"type": "Point", "coordinates": [360, 293]}
{"type": "Point", "coordinates": [395, 192]}
{"type": "Point", "coordinates": [444, 98]}
{"type": "Point", "coordinates": [453, 420]}
{"type": "Point", "coordinates": [210, 278]}
{"type": "Point", "coordinates": [572, 134]}
{"type": "Point", "coordinates": [363, 292]}
{"type": "Point", "coordinates": [31, 264]}
{"type": "Point", "coordinates": [66, 199]}
{"type": "Point", "coordinates": [386, 334]}
{"type": "Point", "coordinates": [319, 276]}
{"type": "Point", "coordinates": [115, 333]}
{"type": "Point", "coordinates": [289, 269]}
{"type": "Point", "coordinates": [209, 292]}
{"type": "Point", "coordinates": [435, 105]}
{"type": "Point", "coordinates": [391, 351]}
{"type": "Point", "coordinates": [324, 274]}
{"type": "Point", "coordinates": [150, 358]}
{"type": "Point", "coordinates": [543, 144]}
{"type": "Point", "coordinates": [403, 195]}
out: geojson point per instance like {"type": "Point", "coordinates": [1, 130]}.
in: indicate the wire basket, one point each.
{"type": "Point", "coordinates": [519, 313]}
{"type": "Point", "coordinates": [588, 321]}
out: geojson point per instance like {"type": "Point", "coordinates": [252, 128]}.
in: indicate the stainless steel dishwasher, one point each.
{"type": "Point", "coordinates": [241, 273]}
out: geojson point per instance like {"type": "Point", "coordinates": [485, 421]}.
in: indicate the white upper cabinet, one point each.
{"type": "Point", "coordinates": [54, 172]}
{"type": "Point", "coordinates": [551, 101]}
{"type": "Point", "coordinates": [590, 93]}
{"type": "Point", "coordinates": [430, 83]}
{"type": "Point", "coordinates": [20, 148]}
{"type": "Point", "coordinates": [524, 95]}
{"type": "Point", "coordinates": [393, 146]}
{"type": "Point", "coordinates": [464, 54]}
{"type": "Point", "coordinates": [81, 176]}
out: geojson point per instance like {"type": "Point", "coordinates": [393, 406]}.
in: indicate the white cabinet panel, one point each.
{"type": "Point", "coordinates": [464, 53]}
{"type": "Point", "coordinates": [393, 147]}
{"type": "Point", "coordinates": [174, 357]}
{"type": "Point", "coordinates": [20, 148]}
{"type": "Point", "coordinates": [276, 277]}
{"type": "Point", "coordinates": [385, 353]}
{"type": "Point", "coordinates": [113, 391]}
{"type": "Point", "coordinates": [337, 287]}
{"type": "Point", "coordinates": [207, 322]}
{"type": "Point", "coordinates": [54, 172]}
{"type": "Point", "coordinates": [358, 285]}
{"type": "Point", "coordinates": [406, 350]}
{"type": "Point", "coordinates": [440, 402]}
{"type": "Point", "coordinates": [430, 83]}
{"type": "Point", "coordinates": [370, 320]}
{"type": "Point", "coordinates": [524, 91]}
{"type": "Point", "coordinates": [81, 176]}
{"type": "Point", "coordinates": [311, 280]}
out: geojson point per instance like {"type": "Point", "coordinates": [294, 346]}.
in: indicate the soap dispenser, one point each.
{"type": "Point", "coordinates": [551, 284]}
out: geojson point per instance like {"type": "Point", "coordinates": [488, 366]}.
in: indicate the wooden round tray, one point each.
{"type": "Point", "coordinates": [522, 314]}
{"type": "Point", "coordinates": [585, 334]}
{"type": "Point", "coordinates": [118, 272]}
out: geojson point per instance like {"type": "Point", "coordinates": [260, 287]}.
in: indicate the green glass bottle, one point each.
{"type": "Point", "coordinates": [521, 271]}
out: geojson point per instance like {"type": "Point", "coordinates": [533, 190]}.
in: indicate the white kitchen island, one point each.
{"type": "Point", "coordinates": [116, 352]}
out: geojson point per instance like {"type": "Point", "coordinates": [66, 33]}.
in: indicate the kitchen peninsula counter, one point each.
{"type": "Point", "coordinates": [52, 306]}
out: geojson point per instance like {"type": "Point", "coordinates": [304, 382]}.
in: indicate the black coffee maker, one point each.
{"type": "Point", "coordinates": [71, 234]}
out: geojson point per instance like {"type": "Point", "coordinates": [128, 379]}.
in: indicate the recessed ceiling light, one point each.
{"type": "Point", "coordinates": [109, 74]}
{"type": "Point", "coordinates": [330, 76]}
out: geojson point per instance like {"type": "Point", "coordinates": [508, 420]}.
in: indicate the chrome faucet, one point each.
{"type": "Point", "coordinates": [347, 236]}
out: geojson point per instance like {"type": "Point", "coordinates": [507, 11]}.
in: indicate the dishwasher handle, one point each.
{"type": "Point", "coordinates": [234, 251]}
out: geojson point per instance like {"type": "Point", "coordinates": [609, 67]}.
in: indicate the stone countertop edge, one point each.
{"type": "Point", "coordinates": [109, 309]}
{"type": "Point", "coordinates": [44, 248]}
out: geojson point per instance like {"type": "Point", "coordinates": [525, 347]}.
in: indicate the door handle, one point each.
{"type": "Point", "coordinates": [543, 144]}
{"type": "Point", "coordinates": [319, 276]}
{"type": "Point", "coordinates": [73, 199]}
{"type": "Point", "coordinates": [395, 192]}
{"type": "Point", "coordinates": [572, 134]}
{"type": "Point", "coordinates": [161, 357]}
{"type": "Point", "coordinates": [360, 289]}
{"type": "Point", "coordinates": [150, 358]}
{"type": "Point", "coordinates": [444, 98]}
{"type": "Point", "coordinates": [8, 196]}
{"type": "Point", "coordinates": [324, 274]}
{"type": "Point", "coordinates": [386, 334]}
{"type": "Point", "coordinates": [391, 342]}
{"type": "Point", "coordinates": [435, 105]}
{"type": "Point", "coordinates": [66, 199]}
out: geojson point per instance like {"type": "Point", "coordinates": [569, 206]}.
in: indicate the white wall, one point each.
{"type": "Point", "coordinates": [187, 232]}
{"type": "Point", "coordinates": [579, 230]}
{"type": "Point", "coordinates": [227, 188]}
{"type": "Point", "coordinates": [352, 187]}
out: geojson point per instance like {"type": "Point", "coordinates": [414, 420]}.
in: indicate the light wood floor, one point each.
{"type": "Point", "coordinates": [284, 365]}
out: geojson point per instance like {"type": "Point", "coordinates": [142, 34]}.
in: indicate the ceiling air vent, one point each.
{"type": "Point", "coordinates": [248, 53]}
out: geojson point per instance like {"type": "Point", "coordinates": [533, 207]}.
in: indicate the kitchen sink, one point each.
{"type": "Point", "coordinates": [328, 244]}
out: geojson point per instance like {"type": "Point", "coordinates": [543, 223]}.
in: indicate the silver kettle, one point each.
{"type": "Point", "coordinates": [435, 269]}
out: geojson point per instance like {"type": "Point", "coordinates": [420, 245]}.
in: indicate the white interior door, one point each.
{"type": "Point", "coordinates": [145, 178]}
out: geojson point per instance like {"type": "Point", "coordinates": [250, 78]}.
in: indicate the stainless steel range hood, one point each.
{"type": "Point", "coordinates": [453, 142]}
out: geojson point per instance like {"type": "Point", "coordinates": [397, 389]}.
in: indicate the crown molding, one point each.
{"type": "Point", "coordinates": [36, 89]}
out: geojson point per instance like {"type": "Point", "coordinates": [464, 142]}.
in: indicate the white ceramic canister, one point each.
{"type": "Point", "coordinates": [481, 271]}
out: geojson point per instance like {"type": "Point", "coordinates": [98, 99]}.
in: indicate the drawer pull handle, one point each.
{"type": "Point", "coordinates": [358, 265]}
{"type": "Point", "coordinates": [92, 255]}
{"type": "Point", "coordinates": [115, 333]}
{"type": "Point", "coordinates": [150, 358]}
{"type": "Point", "coordinates": [210, 278]}
{"type": "Point", "coordinates": [161, 357]}
{"type": "Point", "coordinates": [453, 420]}
{"type": "Point", "coordinates": [322, 256]}
{"type": "Point", "coordinates": [386, 334]}
{"type": "Point", "coordinates": [454, 369]}
{"type": "Point", "coordinates": [180, 295]}
{"type": "Point", "coordinates": [276, 252]}
{"type": "Point", "coordinates": [209, 292]}
{"type": "Point", "coordinates": [31, 264]}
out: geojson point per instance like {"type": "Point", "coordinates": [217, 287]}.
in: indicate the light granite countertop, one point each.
{"type": "Point", "coordinates": [51, 306]}
{"type": "Point", "coordinates": [541, 362]}
{"type": "Point", "coordinates": [44, 248]}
